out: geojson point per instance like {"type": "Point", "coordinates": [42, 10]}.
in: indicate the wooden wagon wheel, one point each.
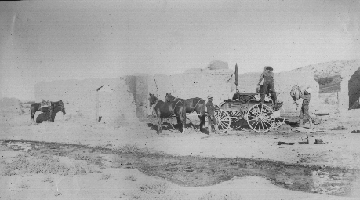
{"type": "Point", "coordinates": [223, 119]}
{"type": "Point", "coordinates": [236, 116]}
{"type": "Point", "coordinates": [260, 118]}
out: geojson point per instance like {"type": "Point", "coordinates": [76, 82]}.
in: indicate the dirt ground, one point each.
{"type": "Point", "coordinates": [339, 149]}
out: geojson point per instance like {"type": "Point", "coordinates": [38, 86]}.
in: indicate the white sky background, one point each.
{"type": "Point", "coordinates": [50, 40]}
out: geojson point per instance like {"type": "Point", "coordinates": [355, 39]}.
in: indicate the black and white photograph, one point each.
{"type": "Point", "coordinates": [180, 100]}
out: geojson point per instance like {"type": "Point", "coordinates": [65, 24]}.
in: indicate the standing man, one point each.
{"type": "Point", "coordinates": [268, 85]}
{"type": "Point", "coordinates": [304, 111]}
{"type": "Point", "coordinates": [211, 115]}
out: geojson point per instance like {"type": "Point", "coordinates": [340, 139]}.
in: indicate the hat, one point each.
{"type": "Point", "coordinates": [308, 90]}
{"type": "Point", "coordinates": [210, 97]}
{"type": "Point", "coordinates": [269, 68]}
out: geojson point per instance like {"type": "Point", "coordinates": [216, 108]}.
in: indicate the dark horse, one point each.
{"type": "Point", "coordinates": [55, 107]}
{"type": "Point", "coordinates": [167, 110]}
{"type": "Point", "coordinates": [194, 104]}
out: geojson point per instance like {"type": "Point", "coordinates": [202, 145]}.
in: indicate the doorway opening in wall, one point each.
{"type": "Point", "coordinates": [329, 88]}
{"type": "Point", "coordinates": [354, 90]}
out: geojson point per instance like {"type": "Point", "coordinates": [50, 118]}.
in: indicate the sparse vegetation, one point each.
{"type": "Point", "coordinates": [155, 188]}
{"type": "Point", "coordinates": [48, 179]}
{"type": "Point", "coordinates": [130, 178]}
{"type": "Point", "coordinates": [128, 149]}
{"type": "Point", "coordinates": [212, 196]}
{"type": "Point", "coordinates": [57, 193]}
{"type": "Point", "coordinates": [339, 128]}
{"type": "Point", "coordinates": [25, 163]}
{"type": "Point", "coordinates": [88, 158]}
{"type": "Point", "coordinates": [105, 176]}
{"type": "Point", "coordinates": [24, 186]}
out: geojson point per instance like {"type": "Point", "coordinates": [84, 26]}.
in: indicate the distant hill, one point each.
{"type": "Point", "coordinates": [328, 74]}
{"type": "Point", "coordinates": [217, 64]}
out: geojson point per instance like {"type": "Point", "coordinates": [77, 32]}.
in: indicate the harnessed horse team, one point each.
{"type": "Point", "coordinates": [177, 107]}
{"type": "Point", "coordinates": [173, 106]}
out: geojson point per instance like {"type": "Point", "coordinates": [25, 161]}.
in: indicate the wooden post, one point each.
{"type": "Point", "coordinates": [97, 106]}
{"type": "Point", "coordinates": [97, 103]}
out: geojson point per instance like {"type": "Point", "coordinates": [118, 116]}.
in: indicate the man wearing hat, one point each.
{"type": "Point", "coordinates": [304, 111]}
{"type": "Point", "coordinates": [211, 114]}
{"type": "Point", "coordinates": [268, 84]}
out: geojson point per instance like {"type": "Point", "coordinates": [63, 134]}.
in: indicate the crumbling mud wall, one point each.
{"type": "Point", "coordinates": [116, 103]}
{"type": "Point", "coordinates": [349, 87]}
{"type": "Point", "coordinates": [141, 96]}
{"type": "Point", "coordinates": [344, 84]}
{"type": "Point", "coordinates": [354, 90]}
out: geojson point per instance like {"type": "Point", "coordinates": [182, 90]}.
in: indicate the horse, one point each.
{"type": "Point", "coordinates": [33, 108]}
{"type": "Point", "coordinates": [167, 110]}
{"type": "Point", "coordinates": [195, 104]}
{"type": "Point", "coordinates": [55, 107]}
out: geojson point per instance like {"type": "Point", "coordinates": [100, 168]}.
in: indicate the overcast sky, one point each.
{"type": "Point", "coordinates": [49, 40]}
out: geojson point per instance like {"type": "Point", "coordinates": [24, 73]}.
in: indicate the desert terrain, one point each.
{"type": "Point", "coordinates": [109, 63]}
{"type": "Point", "coordinates": [74, 158]}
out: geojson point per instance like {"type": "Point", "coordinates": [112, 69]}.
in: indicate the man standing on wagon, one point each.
{"type": "Point", "coordinates": [268, 85]}
{"type": "Point", "coordinates": [211, 115]}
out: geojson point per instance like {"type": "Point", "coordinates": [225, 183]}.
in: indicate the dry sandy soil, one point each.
{"type": "Point", "coordinates": [340, 149]}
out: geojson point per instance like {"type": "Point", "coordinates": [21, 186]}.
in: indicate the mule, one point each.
{"type": "Point", "coordinates": [33, 108]}
{"type": "Point", "coordinates": [195, 104]}
{"type": "Point", "coordinates": [167, 110]}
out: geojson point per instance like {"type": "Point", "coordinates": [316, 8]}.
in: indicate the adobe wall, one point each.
{"type": "Point", "coordinates": [141, 96]}
{"type": "Point", "coordinates": [126, 98]}
{"type": "Point", "coordinates": [218, 83]}
{"type": "Point", "coordinates": [10, 106]}
{"type": "Point", "coordinates": [349, 85]}
{"type": "Point", "coordinates": [284, 81]}
{"type": "Point", "coordinates": [116, 102]}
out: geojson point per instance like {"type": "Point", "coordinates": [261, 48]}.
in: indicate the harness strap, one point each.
{"type": "Point", "coordinates": [176, 103]}
{"type": "Point", "coordinates": [196, 105]}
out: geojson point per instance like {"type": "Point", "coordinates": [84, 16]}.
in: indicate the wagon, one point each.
{"type": "Point", "coordinates": [259, 117]}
